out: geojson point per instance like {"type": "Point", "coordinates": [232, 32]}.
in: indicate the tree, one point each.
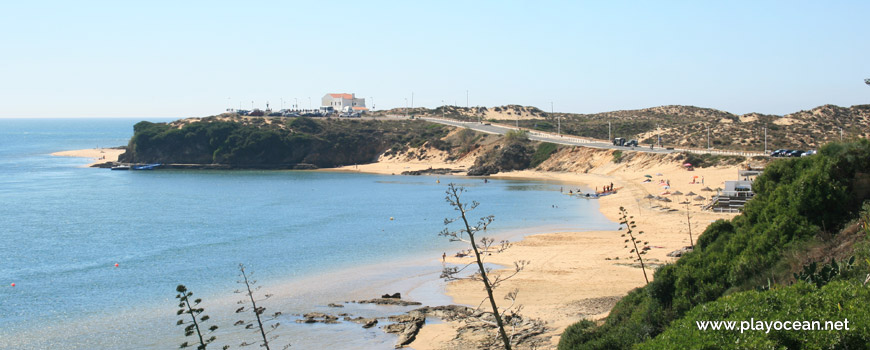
{"type": "Point", "coordinates": [192, 309]}
{"type": "Point", "coordinates": [264, 325]}
{"type": "Point", "coordinates": [466, 234]}
{"type": "Point", "coordinates": [625, 219]}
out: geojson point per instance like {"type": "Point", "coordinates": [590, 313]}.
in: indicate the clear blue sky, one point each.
{"type": "Point", "coordinates": [186, 58]}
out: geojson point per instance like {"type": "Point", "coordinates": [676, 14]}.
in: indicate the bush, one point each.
{"type": "Point", "coordinates": [617, 156]}
{"type": "Point", "coordinates": [800, 302]}
{"type": "Point", "coordinates": [544, 151]}
{"type": "Point", "coordinates": [796, 199]}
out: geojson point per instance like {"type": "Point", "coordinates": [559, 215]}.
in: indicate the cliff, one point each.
{"type": "Point", "coordinates": [275, 143]}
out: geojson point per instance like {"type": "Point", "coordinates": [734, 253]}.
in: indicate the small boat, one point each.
{"type": "Point", "coordinates": [146, 166]}
{"type": "Point", "coordinates": [121, 167]}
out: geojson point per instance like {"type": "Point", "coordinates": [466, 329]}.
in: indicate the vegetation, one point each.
{"type": "Point", "coordinates": [466, 234]}
{"type": "Point", "coordinates": [617, 156]}
{"type": "Point", "coordinates": [797, 201]}
{"type": "Point", "coordinates": [708, 160]}
{"type": "Point", "coordinates": [191, 327]}
{"type": "Point", "coordinates": [264, 325]}
{"type": "Point", "coordinates": [542, 153]}
{"type": "Point", "coordinates": [274, 142]}
{"type": "Point", "coordinates": [684, 126]}
{"type": "Point", "coordinates": [628, 222]}
{"type": "Point", "coordinates": [514, 153]}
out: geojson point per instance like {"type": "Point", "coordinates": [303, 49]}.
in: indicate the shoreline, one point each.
{"type": "Point", "coordinates": [573, 275]}
{"type": "Point", "coordinates": [97, 155]}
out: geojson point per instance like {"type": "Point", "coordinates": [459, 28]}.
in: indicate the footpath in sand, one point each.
{"type": "Point", "coordinates": [97, 155]}
{"type": "Point", "coordinates": [580, 275]}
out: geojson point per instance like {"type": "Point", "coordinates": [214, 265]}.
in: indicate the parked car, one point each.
{"type": "Point", "coordinates": [795, 153]}
{"type": "Point", "coordinates": [632, 143]}
{"type": "Point", "coordinates": [809, 153]}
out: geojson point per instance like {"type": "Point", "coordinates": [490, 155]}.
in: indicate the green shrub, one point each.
{"type": "Point", "coordinates": [544, 151]}
{"type": "Point", "coordinates": [617, 156]}
{"type": "Point", "coordinates": [796, 200]}
{"type": "Point", "coordinates": [836, 301]}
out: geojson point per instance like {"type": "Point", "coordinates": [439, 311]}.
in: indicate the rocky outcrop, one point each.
{"type": "Point", "coordinates": [388, 301]}
{"type": "Point", "coordinates": [406, 327]}
{"type": "Point", "coordinates": [318, 317]}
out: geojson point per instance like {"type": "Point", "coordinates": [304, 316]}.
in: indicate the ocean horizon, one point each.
{"type": "Point", "coordinates": [311, 238]}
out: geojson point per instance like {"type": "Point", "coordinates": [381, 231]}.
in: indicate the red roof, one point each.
{"type": "Point", "coordinates": [360, 108]}
{"type": "Point", "coordinates": [344, 96]}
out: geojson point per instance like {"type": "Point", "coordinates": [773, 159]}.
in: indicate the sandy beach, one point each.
{"type": "Point", "coordinates": [97, 155]}
{"type": "Point", "coordinates": [577, 275]}
{"type": "Point", "coordinates": [571, 275]}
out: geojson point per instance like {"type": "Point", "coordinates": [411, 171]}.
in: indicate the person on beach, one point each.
{"type": "Point", "coordinates": [444, 257]}
{"type": "Point", "coordinates": [702, 180]}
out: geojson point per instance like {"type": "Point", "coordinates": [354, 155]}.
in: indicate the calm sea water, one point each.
{"type": "Point", "coordinates": [310, 237]}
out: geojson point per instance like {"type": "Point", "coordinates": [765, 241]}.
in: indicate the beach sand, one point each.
{"type": "Point", "coordinates": [97, 155]}
{"type": "Point", "coordinates": [571, 275]}
{"type": "Point", "coordinates": [575, 275]}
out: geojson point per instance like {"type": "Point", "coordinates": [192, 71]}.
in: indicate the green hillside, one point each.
{"type": "Point", "coordinates": [806, 209]}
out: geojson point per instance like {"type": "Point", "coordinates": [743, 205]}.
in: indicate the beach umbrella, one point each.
{"type": "Point", "coordinates": [650, 198]}
{"type": "Point", "coordinates": [695, 177]}
{"type": "Point", "coordinates": [699, 198]}
{"type": "Point", "coordinates": [650, 176]}
{"type": "Point", "coordinates": [691, 193]}
{"type": "Point", "coordinates": [677, 193]}
{"type": "Point", "coordinates": [665, 193]}
{"type": "Point", "coordinates": [684, 202]}
{"type": "Point", "coordinates": [708, 189]}
{"type": "Point", "coordinates": [658, 174]}
{"type": "Point", "coordinates": [687, 165]}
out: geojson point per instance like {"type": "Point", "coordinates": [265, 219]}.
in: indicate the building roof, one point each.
{"type": "Point", "coordinates": [360, 108]}
{"type": "Point", "coordinates": [344, 96]}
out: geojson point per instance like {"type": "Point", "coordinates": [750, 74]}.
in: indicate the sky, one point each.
{"type": "Point", "coordinates": [197, 58]}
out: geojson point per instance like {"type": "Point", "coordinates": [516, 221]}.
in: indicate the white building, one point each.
{"type": "Point", "coordinates": [344, 102]}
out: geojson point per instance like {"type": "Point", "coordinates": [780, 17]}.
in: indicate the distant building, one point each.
{"type": "Point", "coordinates": [344, 102]}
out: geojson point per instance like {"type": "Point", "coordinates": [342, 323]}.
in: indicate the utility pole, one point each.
{"type": "Point", "coordinates": [466, 99]}
{"type": "Point", "coordinates": [443, 107]}
{"type": "Point", "coordinates": [559, 128]}
{"type": "Point", "coordinates": [765, 139]}
{"type": "Point", "coordinates": [708, 136]}
{"type": "Point", "coordinates": [282, 103]}
{"type": "Point", "coordinates": [841, 133]}
{"type": "Point", "coordinates": [609, 136]}
{"type": "Point", "coordinates": [406, 107]}
{"type": "Point", "coordinates": [412, 101]}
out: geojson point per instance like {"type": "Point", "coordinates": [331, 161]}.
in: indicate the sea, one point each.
{"type": "Point", "coordinates": [310, 238]}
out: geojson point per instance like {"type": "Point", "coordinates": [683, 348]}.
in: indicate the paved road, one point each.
{"type": "Point", "coordinates": [539, 136]}
{"type": "Point", "coordinates": [579, 141]}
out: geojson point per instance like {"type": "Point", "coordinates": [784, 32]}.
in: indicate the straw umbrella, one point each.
{"type": "Point", "coordinates": [691, 193]}
{"type": "Point", "coordinates": [650, 197]}
{"type": "Point", "coordinates": [677, 193]}
{"type": "Point", "coordinates": [708, 189]}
